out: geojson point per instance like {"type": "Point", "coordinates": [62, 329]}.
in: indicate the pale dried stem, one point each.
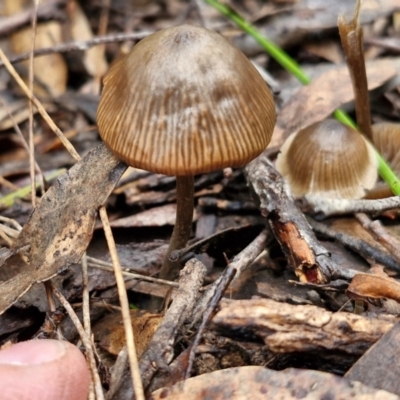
{"type": "Point", "coordinates": [30, 119]}
{"type": "Point", "coordinates": [5, 237]}
{"type": "Point", "coordinates": [67, 144]}
{"type": "Point", "coordinates": [85, 296]}
{"type": "Point", "coordinates": [103, 25]}
{"type": "Point", "coordinates": [133, 275]}
{"type": "Point", "coordinates": [327, 207]}
{"type": "Point", "coordinates": [391, 243]}
{"type": "Point", "coordinates": [86, 342]}
{"type": "Point", "coordinates": [8, 184]}
{"type": "Point", "coordinates": [11, 221]}
{"type": "Point", "coordinates": [25, 144]}
{"type": "Point", "coordinates": [123, 298]}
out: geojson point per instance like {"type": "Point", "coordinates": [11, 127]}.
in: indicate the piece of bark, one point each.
{"type": "Point", "coordinates": [309, 259]}
{"type": "Point", "coordinates": [379, 366]}
{"type": "Point", "coordinates": [160, 351]}
{"type": "Point", "coordinates": [62, 224]}
{"type": "Point", "coordinates": [286, 328]}
{"type": "Point", "coordinates": [258, 383]}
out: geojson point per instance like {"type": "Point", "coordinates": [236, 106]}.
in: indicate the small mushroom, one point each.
{"type": "Point", "coordinates": [328, 159]}
{"type": "Point", "coordinates": [386, 139]}
{"type": "Point", "coordinates": [185, 101]}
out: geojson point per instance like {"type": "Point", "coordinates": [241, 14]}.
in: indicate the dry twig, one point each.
{"type": "Point", "coordinates": [309, 259]}
{"type": "Point", "coordinates": [364, 249]}
{"type": "Point", "coordinates": [160, 350]}
{"type": "Point", "coordinates": [81, 45]}
{"type": "Point", "coordinates": [86, 342]}
{"type": "Point", "coordinates": [323, 208]}
{"type": "Point", "coordinates": [123, 298]}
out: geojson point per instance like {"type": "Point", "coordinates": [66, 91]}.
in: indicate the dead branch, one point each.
{"type": "Point", "coordinates": [309, 259]}
{"type": "Point", "coordinates": [323, 208]}
{"type": "Point", "coordinates": [160, 350]}
{"type": "Point", "coordinates": [364, 249]}
{"type": "Point", "coordinates": [287, 328]}
{"type": "Point", "coordinates": [82, 45]}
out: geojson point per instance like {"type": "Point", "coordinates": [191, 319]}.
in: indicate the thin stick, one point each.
{"type": "Point", "coordinates": [86, 342]}
{"type": "Point", "coordinates": [85, 296]}
{"type": "Point", "coordinates": [136, 276]}
{"type": "Point", "coordinates": [81, 45]}
{"type": "Point", "coordinates": [5, 237]}
{"type": "Point", "coordinates": [123, 298]}
{"type": "Point", "coordinates": [30, 119]}
{"type": "Point", "coordinates": [11, 221]}
{"type": "Point", "coordinates": [67, 144]}
{"type": "Point", "coordinates": [223, 284]}
{"type": "Point", "coordinates": [11, 232]}
{"type": "Point", "coordinates": [326, 207]}
{"type": "Point", "coordinates": [391, 243]}
{"type": "Point", "coordinates": [247, 256]}
{"type": "Point", "coordinates": [24, 143]}
{"type": "Point", "coordinates": [8, 184]}
{"type": "Point", "coordinates": [103, 25]}
{"type": "Point", "coordinates": [358, 245]}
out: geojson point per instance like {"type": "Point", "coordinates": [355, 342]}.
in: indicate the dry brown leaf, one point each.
{"type": "Point", "coordinates": [94, 58]}
{"type": "Point", "coordinates": [329, 50]}
{"type": "Point", "coordinates": [326, 93]}
{"type": "Point", "coordinates": [62, 224]}
{"type": "Point", "coordinates": [258, 383]}
{"type": "Point", "coordinates": [51, 70]}
{"type": "Point", "coordinates": [374, 286]}
{"type": "Point", "coordinates": [110, 332]}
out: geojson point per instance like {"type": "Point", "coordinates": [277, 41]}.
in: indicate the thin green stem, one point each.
{"type": "Point", "coordinates": [388, 175]}
{"type": "Point", "coordinates": [291, 66]}
{"type": "Point", "coordinates": [183, 225]}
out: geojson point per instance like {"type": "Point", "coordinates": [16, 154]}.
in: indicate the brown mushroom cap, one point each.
{"type": "Point", "coordinates": [328, 159]}
{"type": "Point", "coordinates": [386, 138]}
{"type": "Point", "coordinates": [185, 101]}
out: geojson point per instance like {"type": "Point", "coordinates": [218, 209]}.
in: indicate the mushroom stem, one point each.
{"type": "Point", "coordinates": [183, 224]}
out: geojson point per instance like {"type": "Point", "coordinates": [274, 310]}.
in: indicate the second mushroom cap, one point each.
{"type": "Point", "coordinates": [328, 159]}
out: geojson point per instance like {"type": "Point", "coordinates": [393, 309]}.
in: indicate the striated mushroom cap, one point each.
{"type": "Point", "coordinates": [185, 101]}
{"type": "Point", "coordinates": [386, 138]}
{"type": "Point", "coordinates": [328, 159]}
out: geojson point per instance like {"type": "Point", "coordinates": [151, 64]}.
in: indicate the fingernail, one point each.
{"type": "Point", "coordinates": [33, 352]}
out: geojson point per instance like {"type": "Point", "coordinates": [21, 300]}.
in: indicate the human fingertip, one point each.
{"type": "Point", "coordinates": [43, 369]}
